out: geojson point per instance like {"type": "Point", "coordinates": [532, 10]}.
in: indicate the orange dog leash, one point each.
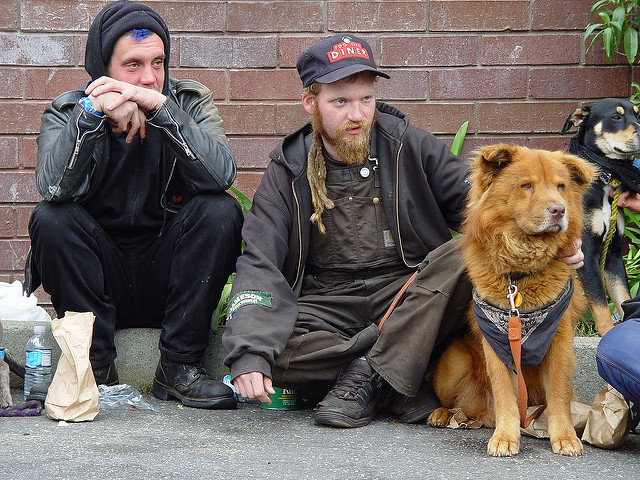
{"type": "Point", "coordinates": [397, 300]}
{"type": "Point", "coordinates": [515, 343]}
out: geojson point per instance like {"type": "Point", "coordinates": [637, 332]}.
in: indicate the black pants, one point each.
{"type": "Point", "coordinates": [172, 281]}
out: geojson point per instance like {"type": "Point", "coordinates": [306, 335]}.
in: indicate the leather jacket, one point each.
{"type": "Point", "coordinates": [73, 147]}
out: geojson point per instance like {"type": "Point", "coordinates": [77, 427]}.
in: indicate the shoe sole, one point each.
{"type": "Point", "coordinates": [165, 392]}
{"type": "Point", "coordinates": [335, 419]}
{"type": "Point", "coordinates": [416, 415]}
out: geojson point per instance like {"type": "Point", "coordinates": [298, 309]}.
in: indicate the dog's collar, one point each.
{"type": "Point", "coordinates": [515, 276]}
{"type": "Point", "coordinates": [624, 170]}
{"type": "Point", "coordinates": [538, 326]}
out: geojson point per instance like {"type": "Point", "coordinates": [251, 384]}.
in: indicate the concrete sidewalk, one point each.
{"type": "Point", "coordinates": [138, 357]}
{"type": "Point", "coordinates": [175, 442]}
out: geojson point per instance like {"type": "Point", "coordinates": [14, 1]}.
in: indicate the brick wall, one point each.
{"type": "Point", "coordinates": [513, 68]}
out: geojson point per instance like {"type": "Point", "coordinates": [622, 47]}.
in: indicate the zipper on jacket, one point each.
{"type": "Point", "coordinates": [79, 140]}
{"type": "Point", "coordinates": [163, 197]}
{"type": "Point", "coordinates": [295, 197]}
{"type": "Point", "coordinates": [398, 213]}
{"type": "Point", "coordinates": [181, 141]}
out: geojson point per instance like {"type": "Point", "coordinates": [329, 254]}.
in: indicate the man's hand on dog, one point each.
{"type": "Point", "coordinates": [629, 200]}
{"type": "Point", "coordinates": [572, 255]}
{"type": "Point", "coordinates": [254, 385]}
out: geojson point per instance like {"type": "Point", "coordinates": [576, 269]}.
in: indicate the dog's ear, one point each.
{"type": "Point", "coordinates": [494, 158]}
{"type": "Point", "coordinates": [581, 171]}
{"type": "Point", "coordinates": [576, 118]}
{"type": "Point", "coordinates": [490, 161]}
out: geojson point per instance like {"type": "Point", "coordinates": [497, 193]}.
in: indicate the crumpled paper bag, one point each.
{"type": "Point", "coordinates": [460, 420]}
{"type": "Point", "coordinates": [609, 419]}
{"type": "Point", "coordinates": [539, 427]}
{"type": "Point", "coordinates": [605, 424]}
{"type": "Point", "coordinates": [73, 394]}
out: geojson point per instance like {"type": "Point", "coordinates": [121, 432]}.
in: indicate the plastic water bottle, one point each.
{"type": "Point", "coordinates": [1, 343]}
{"type": "Point", "coordinates": [38, 359]}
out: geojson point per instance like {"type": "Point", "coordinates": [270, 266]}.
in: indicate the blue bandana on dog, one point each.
{"type": "Point", "coordinates": [538, 327]}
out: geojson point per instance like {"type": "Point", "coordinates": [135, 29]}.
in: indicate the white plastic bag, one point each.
{"type": "Point", "coordinates": [121, 396]}
{"type": "Point", "coordinates": [14, 305]}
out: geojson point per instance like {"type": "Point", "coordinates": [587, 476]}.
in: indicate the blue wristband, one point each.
{"type": "Point", "coordinates": [86, 103]}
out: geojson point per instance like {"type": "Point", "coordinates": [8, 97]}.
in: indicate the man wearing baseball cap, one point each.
{"type": "Point", "coordinates": [351, 205]}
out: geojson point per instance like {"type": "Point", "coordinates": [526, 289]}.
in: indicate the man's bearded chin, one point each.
{"type": "Point", "coordinates": [352, 149]}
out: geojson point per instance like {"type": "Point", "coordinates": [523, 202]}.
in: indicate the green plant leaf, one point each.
{"type": "Point", "coordinates": [619, 15]}
{"type": "Point", "coordinates": [597, 6]}
{"type": "Point", "coordinates": [218, 317]}
{"type": "Point", "coordinates": [607, 40]}
{"type": "Point", "coordinates": [605, 15]}
{"type": "Point", "coordinates": [244, 200]}
{"type": "Point", "coordinates": [631, 44]}
{"type": "Point", "coordinates": [591, 28]}
{"type": "Point", "coordinates": [458, 140]}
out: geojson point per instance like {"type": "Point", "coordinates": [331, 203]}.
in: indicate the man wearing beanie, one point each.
{"type": "Point", "coordinates": [351, 205]}
{"type": "Point", "coordinates": [136, 225]}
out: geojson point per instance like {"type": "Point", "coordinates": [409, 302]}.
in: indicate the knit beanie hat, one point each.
{"type": "Point", "coordinates": [111, 23]}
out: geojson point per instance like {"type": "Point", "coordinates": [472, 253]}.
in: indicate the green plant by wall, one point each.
{"type": "Point", "coordinates": [617, 27]}
{"type": "Point", "coordinates": [219, 317]}
{"type": "Point", "coordinates": [458, 140]}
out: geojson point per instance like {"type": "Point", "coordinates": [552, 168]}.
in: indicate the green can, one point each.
{"type": "Point", "coordinates": [283, 399]}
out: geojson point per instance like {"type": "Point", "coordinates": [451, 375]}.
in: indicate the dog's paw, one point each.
{"type": "Point", "coordinates": [503, 445]}
{"type": "Point", "coordinates": [567, 445]}
{"type": "Point", "coordinates": [440, 417]}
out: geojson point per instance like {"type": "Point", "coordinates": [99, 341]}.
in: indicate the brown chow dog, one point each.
{"type": "Point", "coordinates": [524, 206]}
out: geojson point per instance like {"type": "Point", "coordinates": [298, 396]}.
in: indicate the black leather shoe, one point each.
{"type": "Point", "coordinates": [38, 392]}
{"type": "Point", "coordinates": [107, 375]}
{"type": "Point", "coordinates": [353, 400]}
{"type": "Point", "coordinates": [192, 385]}
{"type": "Point", "coordinates": [418, 408]}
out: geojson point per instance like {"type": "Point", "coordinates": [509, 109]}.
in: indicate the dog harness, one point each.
{"type": "Point", "coordinates": [538, 327]}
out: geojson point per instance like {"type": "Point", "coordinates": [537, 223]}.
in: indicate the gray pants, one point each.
{"type": "Point", "coordinates": [338, 323]}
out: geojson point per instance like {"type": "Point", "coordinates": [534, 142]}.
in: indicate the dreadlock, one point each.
{"type": "Point", "coordinates": [317, 171]}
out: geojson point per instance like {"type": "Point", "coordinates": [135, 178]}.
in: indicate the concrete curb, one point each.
{"type": "Point", "coordinates": [138, 357]}
{"type": "Point", "coordinates": [137, 348]}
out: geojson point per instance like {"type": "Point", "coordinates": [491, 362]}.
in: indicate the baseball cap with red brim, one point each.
{"type": "Point", "coordinates": [335, 58]}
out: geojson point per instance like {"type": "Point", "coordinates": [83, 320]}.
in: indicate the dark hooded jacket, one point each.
{"type": "Point", "coordinates": [131, 188]}
{"type": "Point", "coordinates": [424, 187]}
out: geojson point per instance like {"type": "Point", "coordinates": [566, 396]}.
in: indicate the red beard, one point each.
{"type": "Point", "coordinates": [352, 149]}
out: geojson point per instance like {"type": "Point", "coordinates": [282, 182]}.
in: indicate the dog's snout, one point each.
{"type": "Point", "coordinates": [556, 210]}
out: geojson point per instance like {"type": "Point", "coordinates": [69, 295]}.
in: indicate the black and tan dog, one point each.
{"type": "Point", "coordinates": [609, 137]}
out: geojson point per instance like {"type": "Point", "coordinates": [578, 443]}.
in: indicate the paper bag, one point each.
{"type": "Point", "coordinates": [539, 427]}
{"type": "Point", "coordinates": [608, 421]}
{"type": "Point", "coordinates": [460, 420]}
{"type": "Point", "coordinates": [73, 394]}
